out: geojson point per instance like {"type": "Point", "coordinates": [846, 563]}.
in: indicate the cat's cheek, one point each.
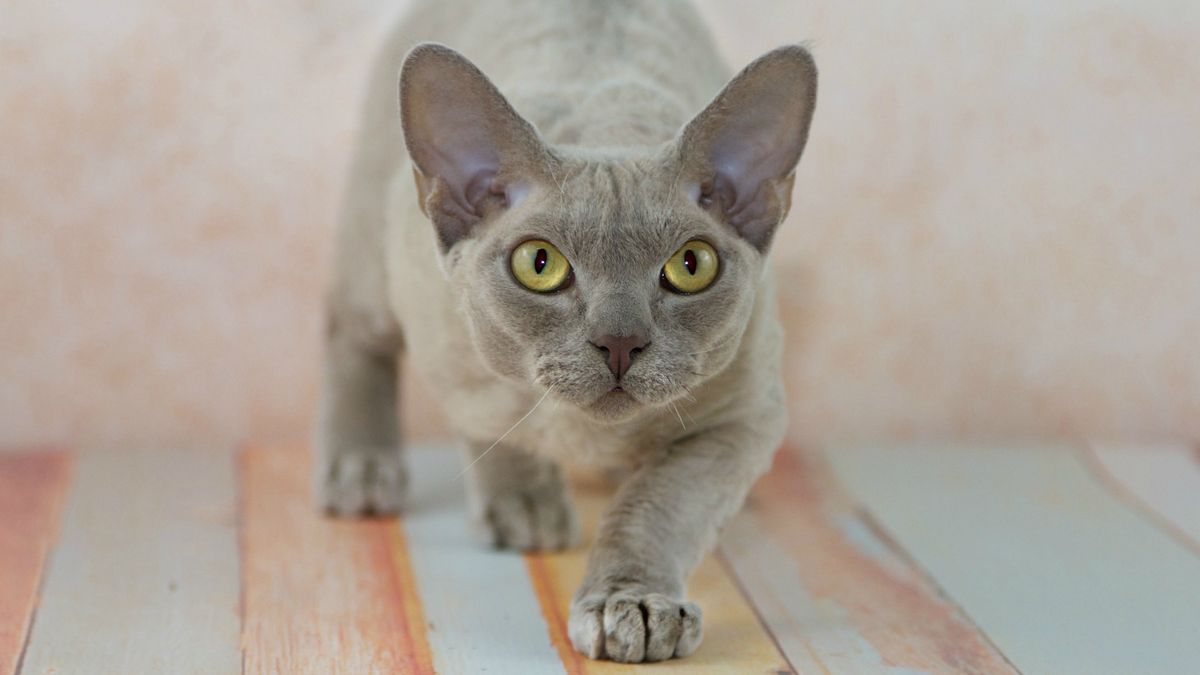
{"type": "Point", "coordinates": [501, 352]}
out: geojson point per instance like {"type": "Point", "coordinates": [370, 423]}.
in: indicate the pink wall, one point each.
{"type": "Point", "coordinates": [996, 229]}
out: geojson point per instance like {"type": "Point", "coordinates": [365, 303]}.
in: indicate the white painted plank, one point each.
{"type": "Point", "coordinates": [814, 632]}
{"type": "Point", "coordinates": [145, 576]}
{"type": "Point", "coordinates": [479, 603]}
{"type": "Point", "coordinates": [1165, 478]}
{"type": "Point", "coordinates": [1061, 575]}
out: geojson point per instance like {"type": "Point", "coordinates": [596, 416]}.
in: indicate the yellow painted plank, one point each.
{"type": "Point", "coordinates": [735, 642]}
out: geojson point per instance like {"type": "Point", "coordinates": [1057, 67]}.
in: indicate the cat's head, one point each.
{"type": "Point", "coordinates": [618, 280]}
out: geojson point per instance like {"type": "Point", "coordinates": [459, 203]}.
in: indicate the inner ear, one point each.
{"type": "Point", "coordinates": [472, 153]}
{"type": "Point", "coordinates": [741, 151]}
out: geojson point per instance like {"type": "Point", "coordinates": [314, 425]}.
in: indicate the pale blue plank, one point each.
{"type": "Point", "coordinates": [145, 575]}
{"type": "Point", "coordinates": [480, 605]}
{"type": "Point", "coordinates": [1163, 478]}
{"type": "Point", "coordinates": [1061, 575]}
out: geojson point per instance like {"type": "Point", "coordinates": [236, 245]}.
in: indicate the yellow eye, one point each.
{"type": "Point", "coordinates": [539, 266]}
{"type": "Point", "coordinates": [692, 268]}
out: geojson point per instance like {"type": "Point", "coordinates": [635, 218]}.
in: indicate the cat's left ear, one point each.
{"type": "Point", "coordinates": [473, 155]}
{"type": "Point", "coordinates": [740, 153]}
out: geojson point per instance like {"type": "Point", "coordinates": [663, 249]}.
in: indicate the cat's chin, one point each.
{"type": "Point", "coordinates": [615, 405]}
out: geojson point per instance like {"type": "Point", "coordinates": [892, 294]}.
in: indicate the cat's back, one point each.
{"type": "Point", "coordinates": [586, 60]}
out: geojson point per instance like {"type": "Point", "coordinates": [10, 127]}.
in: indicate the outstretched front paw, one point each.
{"type": "Point", "coordinates": [633, 626]}
{"type": "Point", "coordinates": [352, 483]}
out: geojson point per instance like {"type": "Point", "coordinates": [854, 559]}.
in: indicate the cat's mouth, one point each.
{"type": "Point", "coordinates": [618, 391]}
{"type": "Point", "coordinates": [615, 404]}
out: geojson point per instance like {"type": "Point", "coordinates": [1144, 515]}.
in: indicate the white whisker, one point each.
{"type": "Point", "coordinates": [510, 429]}
{"type": "Point", "coordinates": [676, 409]}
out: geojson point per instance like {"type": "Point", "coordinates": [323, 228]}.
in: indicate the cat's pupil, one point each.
{"type": "Point", "coordinates": [539, 260]}
{"type": "Point", "coordinates": [689, 261]}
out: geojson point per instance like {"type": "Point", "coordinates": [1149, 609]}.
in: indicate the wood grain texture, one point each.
{"type": "Point", "coordinates": [322, 595]}
{"type": "Point", "coordinates": [1163, 481]}
{"type": "Point", "coordinates": [837, 594]}
{"type": "Point", "coordinates": [480, 606]}
{"type": "Point", "coordinates": [32, 489]}
{"type": "Point", "coordinates": [1062, 576]}
{"type": "Point", "coordinates": [144, 578]}
{"type": "Point", "coordinates": [735, 642]}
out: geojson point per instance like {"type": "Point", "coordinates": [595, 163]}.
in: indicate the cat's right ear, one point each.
{"type": "Point", "coordinates": [472, 153]}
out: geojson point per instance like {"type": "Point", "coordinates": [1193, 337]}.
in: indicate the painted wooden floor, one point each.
{"type": "Point", "coordinates": [896, 560]}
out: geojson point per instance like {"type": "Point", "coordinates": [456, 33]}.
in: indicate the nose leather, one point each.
{"type": "Point", "coordinates": [620, 350]}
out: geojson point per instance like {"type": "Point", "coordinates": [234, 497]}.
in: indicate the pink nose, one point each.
{"type": "Point", "coordinates": [620, 350]}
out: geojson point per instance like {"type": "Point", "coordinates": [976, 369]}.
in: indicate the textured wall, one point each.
{"type": "Point", "coordinates": [996, 229]}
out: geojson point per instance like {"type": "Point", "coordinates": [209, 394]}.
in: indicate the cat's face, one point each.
{"type": "Point", "coordinates": [618, 282]}
{"type": "Point", "coordinates": [611, 334]}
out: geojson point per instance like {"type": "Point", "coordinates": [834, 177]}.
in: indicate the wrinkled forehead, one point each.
{"type": "Point", "coordinates": [615, 216]}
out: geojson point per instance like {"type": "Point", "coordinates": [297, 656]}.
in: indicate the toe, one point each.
{"type": "Point", "coordinates": [343, 493]}
{"type": "Point", "coordinates": [357, 483]}
{"type": "Point", "coordinates": [385, 486]}
{"type": "Point", "coordinates": [586, 626]}
{"type": "Point", "coordinates": [509, 524]}
{"type": "Point", "coordinates": [555, 523]}
{"type": "Point", "coordinates": [692, 629]}
{"type": "Point", "coordinates": [664, 625]}
{"type": "Point", "coordinates": [624, 628]}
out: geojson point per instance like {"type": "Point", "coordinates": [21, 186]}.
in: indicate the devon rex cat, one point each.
{"type": "Point", "coordinates": [596, 249]}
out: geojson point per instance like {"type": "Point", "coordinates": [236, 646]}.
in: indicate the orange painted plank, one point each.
{"type": "Point", "coordinates": [32, 491]}
{"type": "Point", "coordinates": [735, 642]}
{"type": "Point", "coordinates": [863, 605]}
{"type": "Point", "coordinates": [322, 595]}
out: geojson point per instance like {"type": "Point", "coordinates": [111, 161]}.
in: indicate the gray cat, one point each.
{"type": "Point", "coordinates": [585, 280]}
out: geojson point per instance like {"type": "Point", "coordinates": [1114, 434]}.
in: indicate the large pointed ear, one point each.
{"type": "Point", "coordinates": [472, 153]}
{"type": "Point", "coordinates": [740, 153]}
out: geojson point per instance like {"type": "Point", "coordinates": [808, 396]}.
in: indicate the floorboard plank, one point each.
{"type": "Point", "coordinates": [1164, 480]}
{"type": "Point", "coordinates": [322, 595]}
{"type": "Point", "coordinates": [1062, 576]}
{"type": "Point", "coordinates": [144, 578]}
{"type": "Point", "coordinates": [837, 595]}
{"type": "Point", "coordinates": [479, 603]}
{"type": "Point", "coordinates": [735, 642]}
{"type": "Point", "coordinates": [32, 489]}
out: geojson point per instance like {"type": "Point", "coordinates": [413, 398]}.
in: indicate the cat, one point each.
{"type": "Point", "coordinates": [575, 259]}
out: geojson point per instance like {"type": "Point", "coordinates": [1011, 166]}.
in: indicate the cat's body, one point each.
{"type": "Point", "coordinates": [608, 86]}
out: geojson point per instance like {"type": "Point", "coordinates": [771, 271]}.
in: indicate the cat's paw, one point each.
{"type": "Point", "coordinates": [352, 483]}
{"type": "Point", "coordinates": [634, 626]}
{"type": "Point", "coordinates": [528, 520]}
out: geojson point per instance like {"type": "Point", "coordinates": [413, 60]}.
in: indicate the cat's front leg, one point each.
{"type": "Point", "coordinates": [359, 465]}
{"type": "Point", "coordinates": [519, 500]}
{"type": "Point", "coordinates": [663, 520]}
